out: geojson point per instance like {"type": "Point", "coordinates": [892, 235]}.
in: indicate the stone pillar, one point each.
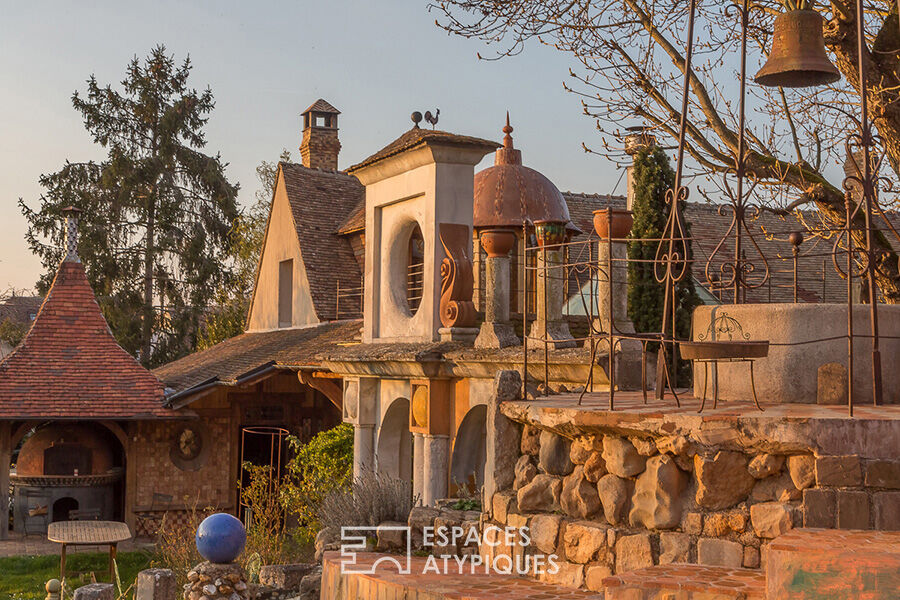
{"type": "Point", "coordinates": [497, 331]}
{"type": "Point", "coordinates": [616, 286]}
{"type": "Point", "coordinates": [418, 465]}
{"type": "Point", "coordinates": [155, 584]}
{"type": "Point", "coordinates": [436, 458]}
{"type": "Point", "coordinates": [215, 581]}
{"type": "Point", "coordinates": [96, 591]}
{"type": "Point", "coordinates": [550, 300]}
{"type": "Point", "coordinates": [502, 437]}
{"type": "Point", "coordinates": [363, 449]}
{"type": "Point", "coordinates": [5, 458]}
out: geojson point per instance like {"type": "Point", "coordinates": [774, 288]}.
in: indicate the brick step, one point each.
{"type": "Point", "coordinates": [687, 582]}
{"type": "Point", "coordinates": [834, 563]}
{"type": "Point", "coordinates": [386, 583]}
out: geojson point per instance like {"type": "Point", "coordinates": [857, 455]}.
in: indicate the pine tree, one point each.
{"type": "Point", "coordinates": [653, 176]}
{"type": "Point", "coordinates": [156, 213]}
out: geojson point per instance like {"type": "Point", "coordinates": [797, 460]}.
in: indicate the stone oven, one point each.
{"type": "Point", "coordinates": [66, 467]}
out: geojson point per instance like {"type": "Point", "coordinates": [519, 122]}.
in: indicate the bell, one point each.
{"type": "Point", "coordinates": [798, 56]}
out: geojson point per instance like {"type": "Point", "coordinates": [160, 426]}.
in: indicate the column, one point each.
{"type": "Point", "coordinates": [418, 465]}
{"type": "Point", "coordinates": [550, 300]}
{"type": "Point", "coordinates": [436, 458]}
{"type": "Point", "coordinates": [497, 331]}
{"type": "Point", "coordinates": [615, 287]}
{"type": "Point", "coordinates": [363, 449]}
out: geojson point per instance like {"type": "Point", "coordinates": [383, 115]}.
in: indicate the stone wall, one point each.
{"type": "Point", "coordinates": [609, 503]}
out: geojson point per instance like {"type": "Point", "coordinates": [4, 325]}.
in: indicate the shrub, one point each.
{"type": "Point", "coordinates": [322, 465]}
{"type": "Point", "coordinates": [371, 500]}
{"type": "Point", "coordinates": [175, 546]}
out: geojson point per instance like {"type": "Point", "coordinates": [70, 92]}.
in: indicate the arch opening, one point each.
{"type": "Point", "coordinates": [470, 451]}
{"type": "Point", "coordinates": [395, 445]}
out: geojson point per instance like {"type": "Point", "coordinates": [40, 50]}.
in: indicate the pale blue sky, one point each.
{"type": "Point", "coordinates": [376, 61]}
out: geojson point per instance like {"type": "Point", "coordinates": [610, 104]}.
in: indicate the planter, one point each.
{"type": "Point", "coordinates": [549, 233]}
{"type": "Point", "coordinates": [622, 220]}
{"type": "Point", "coordinates": [497, 242]}
{"type": "Point", "coordinates": [798, 57]}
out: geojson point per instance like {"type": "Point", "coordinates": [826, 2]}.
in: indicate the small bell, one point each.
{"type": "Point", "coordinates": [798, 57]}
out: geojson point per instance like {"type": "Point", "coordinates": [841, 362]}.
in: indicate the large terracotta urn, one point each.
{"type": "Point", "coordinates": [622, 220]}
{"type": "Point", "coordinates": [497, 242]}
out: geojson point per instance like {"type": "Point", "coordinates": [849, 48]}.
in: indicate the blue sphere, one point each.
{"type": "Point", "coordinates": [221, 538]}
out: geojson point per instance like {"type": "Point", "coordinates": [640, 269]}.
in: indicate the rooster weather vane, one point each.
{"type": "Point", "coordinates": [431, 118]}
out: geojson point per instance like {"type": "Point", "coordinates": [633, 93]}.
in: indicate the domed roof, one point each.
{"type": "Point", "coordinates": [508, 193]}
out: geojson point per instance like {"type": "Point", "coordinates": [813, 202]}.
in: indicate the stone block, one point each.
{"type": "Point", "coordinates": [584, 542]}
{"type": "Point", "coordinates": [819, 508]}
{"type": "Point", "coordinates": [502, 504]}
{"type": "Point", "coordinates": [644, 446]}
{"type": "Point", "coordinates": [802, 468]}
{"type": "Point", "coordinates": [721, 524]}
{"type": "Point", "coordinates": [541, 495]}
{"type": "Point", "coordinates": [531, 440]}
{"type": "Point", "coordinates": [156, 584]}
{"type": "Point", "coordinates": [544, 532]}
{"type": "Point", "coordinates": [838, 471]}
{"type": "Point", "coordinates": [887, 510]}
{"type": "Point", "coordinates": [721, 553]}
{"type": "Point", "coordinates": [674, 547]}
{"type": "Point", "coordinates": [288, 577]}
{"type": "Point", "coordinates": [831, 384]}
{"type": "Point", "coordinates": [96, 591]}
{"type": "Point", "coordinates": [883, 474]}
{"type": "Point", "coordinates": [633, 552]}
{"type": "Point", "coordinates": [579, 497]}
{"type": "Point", "coordinates": [311, 586]}
{"type": "Point", "coordinates": [765, 465]}
{"type": "Point", "coordinates": [751, 557]}
{"type": "Point", "coordinates": [771, 519]}
{"type": "Point", "coordinates": [567, 575]}
{"type": "Point", "coordinates": [391, 535]}
{"type": "Point", "coordinates": [621, 457]}
{"type": "Point", "coordinates": [615, 496]}
{"type": "Point", "coordinates": [580, 451]}
{"type": "Point", "coordinates": [692, 523]}
{"type": "Point", "coordinates": [595, 467]}
{"type": "Point", "coordinates": [778, 487]}
{"type": "Point", "coordinates": [525, 470]}
{"type": "Point", "coordinates": [502, 434]}
{"type": "Point", "coordinates": [553, 457]}
{"type": "Point", "coordinates": [594, 574]}
{"type": "Point", "coordinates": [852, 510]}
{"type": "Point", "coordinates": [722, 480]}
{"type": "Point", "coordinates": [656, 503]}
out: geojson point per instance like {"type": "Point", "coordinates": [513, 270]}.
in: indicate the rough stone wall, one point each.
{"type": "Point", "coordinates": [609, 503]}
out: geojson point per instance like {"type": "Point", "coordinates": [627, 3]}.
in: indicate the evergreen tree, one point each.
{"type": "Point", "coordinates": [652, 177]}
{"type": "Point", "coordinates": [156, 213]}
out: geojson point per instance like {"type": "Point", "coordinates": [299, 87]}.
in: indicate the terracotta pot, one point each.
{"type": "Point", "coordinates": [798, 57]}
{"type": "Point", "coordinates": [497, 242]}
{"type": "Point", "coordinates": [549, 233]}
{"type": "Point", "coordinates": [622, 220]}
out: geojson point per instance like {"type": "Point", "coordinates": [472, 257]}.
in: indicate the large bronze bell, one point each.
{"type": "Point", "coordinates": [798, 56]}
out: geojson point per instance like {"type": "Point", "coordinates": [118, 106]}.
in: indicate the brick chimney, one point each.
{"type": "Point", "coordinates": [320, 146]}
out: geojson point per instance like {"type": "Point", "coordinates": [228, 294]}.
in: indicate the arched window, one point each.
{"type": "Point", "coordinates": [415, 269]}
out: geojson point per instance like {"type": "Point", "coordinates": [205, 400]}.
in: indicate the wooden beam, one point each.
{"type": "Point", "coordinates": [327, 386]}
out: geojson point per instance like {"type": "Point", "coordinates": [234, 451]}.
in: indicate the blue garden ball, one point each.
{"type": "Point", "coordinates": [221, 538]}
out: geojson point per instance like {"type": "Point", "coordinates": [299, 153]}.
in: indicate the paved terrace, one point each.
{"type": "Point", "coordinates": [37, 545]}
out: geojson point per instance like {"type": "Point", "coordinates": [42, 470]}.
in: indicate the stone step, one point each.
{"type": "Point", "coordinates": [687, 582]}
{"type": "Point", "coordinates": [834, 563]}
{"type": "Point", "coordinates": [383, 581]}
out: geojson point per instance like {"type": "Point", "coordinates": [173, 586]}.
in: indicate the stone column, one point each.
{"type": "Point", "coordinates": [551, 291]}
{"type": "Point", "coordinates": [497, 331]}
{"type": "Point", "coordinates": [436, 458]}
{"type": "Point", "coordinates": [502, 437]}
{"type": "Point", "coordinates": [363, 449]}
{"type": "Point", "coordinates": [418, 465]}
{"type": "Point", "coordinates": [156, 584]}
{"type": "Point", "coordinates": [615, 286]}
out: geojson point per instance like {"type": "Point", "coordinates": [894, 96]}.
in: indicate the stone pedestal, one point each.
{"type": "Point", "coordinates": [96, 591]}
{"type": "Point", "coordinates": [436, 463]}
{"type": "Point", "coordinates": [216, 582]}
{"type": "Point", "coordinates": [613, 282]}
{"type": "Point", "coordinates": [363, 449]}
{"type": "Point", "coordinates": [466, 335]}
{"type": "Point", "coordinates": [550, 301]}
{"type": "Point", "coordinates": [496, 331]}
{"type": "Point", "coordinates": [156, 584]}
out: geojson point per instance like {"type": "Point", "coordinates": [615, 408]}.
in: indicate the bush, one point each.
{"type": "Point", "coordinates": [319, 467]}
{"type": "Point", "coordinates": [372, 499]}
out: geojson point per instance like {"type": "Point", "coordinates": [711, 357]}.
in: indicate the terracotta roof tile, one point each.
{"type": "Point", "coordinates": [321, 106]}
{"type": "Point", "coordinates": [70, 367]}
{"type": "Point", "coordinates": [417, 136]}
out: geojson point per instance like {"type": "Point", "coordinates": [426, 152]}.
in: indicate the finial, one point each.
{"type": "Point", "coordinates": [416, 118]}
{"type": "Point", "coordinates": [507, 129]}
{"type": "Point", "coordinates": [71, 213]}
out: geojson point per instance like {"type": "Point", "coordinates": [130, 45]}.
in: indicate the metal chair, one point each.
{"type": "Point", "coordinates": [149, 521]}
{"type": "Point", "coordinates": [36, 513]}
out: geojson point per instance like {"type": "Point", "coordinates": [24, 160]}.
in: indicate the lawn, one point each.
{"type": "Point", "coordinates": [24, 577]}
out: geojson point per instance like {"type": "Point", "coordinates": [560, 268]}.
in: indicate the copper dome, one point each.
{"type": "Point", "coordinates": [508, 193]}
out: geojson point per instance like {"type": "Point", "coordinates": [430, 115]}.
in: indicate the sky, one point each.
{"type": "Point", "coordinates": [376, 61]}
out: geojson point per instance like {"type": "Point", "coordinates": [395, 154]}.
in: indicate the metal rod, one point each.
{"type": "Point", "coordinates": [609, 297]}
{"type": "Point", "coordinates": [848, 210]}
{"type": "Point", "coordinates": [524, 310]}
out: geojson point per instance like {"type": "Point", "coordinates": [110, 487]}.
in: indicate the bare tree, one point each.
{"type": "Point", "coordinates": [629, 57]}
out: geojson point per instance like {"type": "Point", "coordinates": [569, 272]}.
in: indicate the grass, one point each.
{"type": "Point", "coordinates": [24, 577]}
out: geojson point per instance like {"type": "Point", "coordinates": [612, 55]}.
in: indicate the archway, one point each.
{"type": "Point", "coordinates": [470, 450]}
{"type": "Point", "coordinates": [394, 451]}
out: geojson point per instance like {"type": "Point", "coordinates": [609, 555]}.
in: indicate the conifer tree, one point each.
{"type": "Point", "coordinates": [156, 212]}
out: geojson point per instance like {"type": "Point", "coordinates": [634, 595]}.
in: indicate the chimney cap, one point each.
{"type": "Point", "coordinates": [71, 211]}
{"type": "Point", "coordinates": [320, 106]}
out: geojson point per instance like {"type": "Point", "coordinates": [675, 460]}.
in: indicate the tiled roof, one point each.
{"type": "Point", "coordinates": [228, 361]}
{"type": "Point", "coordinates": [19, 309]}
{"type": "Point", "coordinates": [356, 220]}
{"type": "Point", "coordinates": [321, 106]}
{"type": "Point", "coordinates": [417, 136]}
{"type": "Point", "coordinates": [70, 367]}
{"type": "Point", "coordinates": [320, 201]}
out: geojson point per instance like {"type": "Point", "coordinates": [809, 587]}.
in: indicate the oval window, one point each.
{"type": "Point", "coordinates": [415, 269]}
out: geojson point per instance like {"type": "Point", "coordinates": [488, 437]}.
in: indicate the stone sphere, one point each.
{"type": "Point", "coordinates": [220, 538]}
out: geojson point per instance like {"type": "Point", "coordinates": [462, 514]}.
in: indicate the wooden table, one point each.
{"type": "Point", "coordinates": [87, 533]}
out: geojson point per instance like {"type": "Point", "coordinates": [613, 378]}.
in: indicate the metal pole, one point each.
{"type": "Point", "coordinates": [796, 251]}
{"type": "Point", "coordinates": [847, 224]}
{"type": "Point", "coordinates": [524, 310]}
{"type": "Point", "coordinates": [609, 304]}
